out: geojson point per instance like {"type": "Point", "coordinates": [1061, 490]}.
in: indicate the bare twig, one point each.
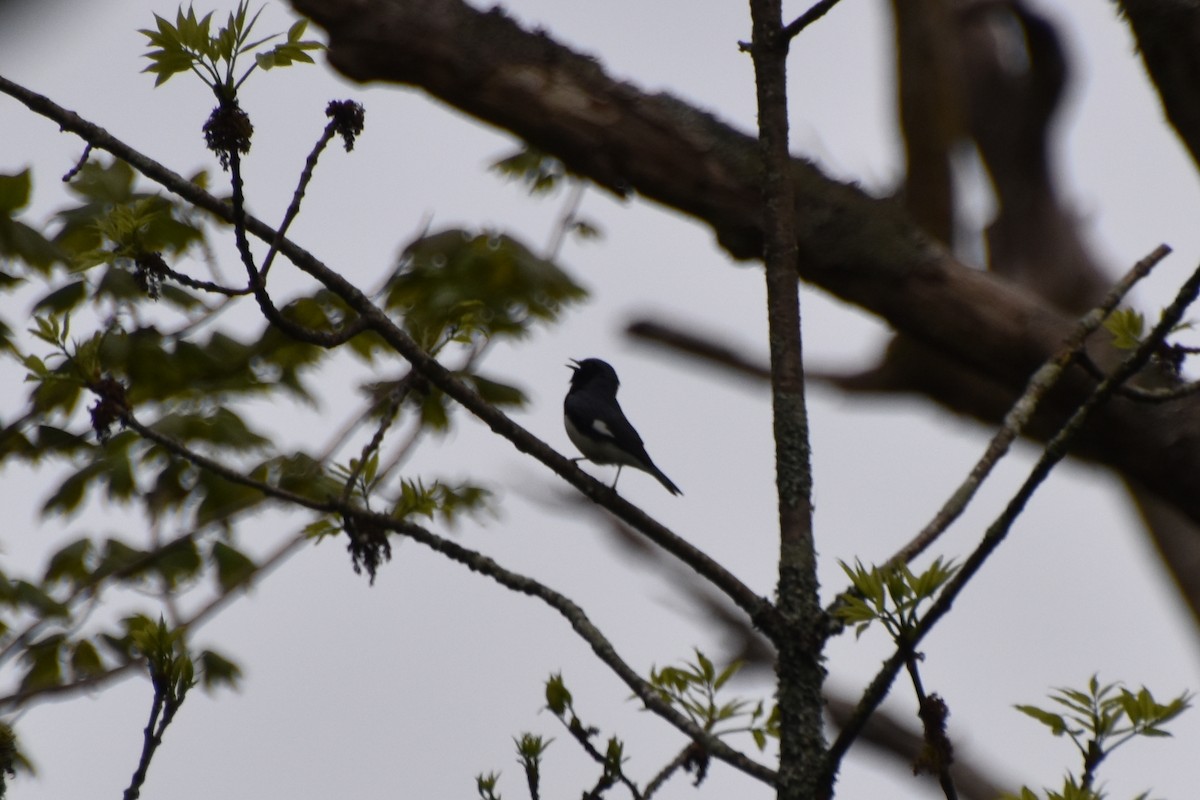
{"type": "Point", "coordinates": [387, 416]}
{"type": "Point", "coordinates": [660, 779]}
{"type": "Point", "coordinates": [566, 218]}
{"type": "Point", "coordinates": [310, 165]}
{"type": "Point", "coordinates": [937, 754]}
{"type": "Point", "coordinates": [257, 277]}
{"type": "Point", "coordinates": [814, 13]}
{"type": "Point", "coordinates": [73, 171]}
{"type": "Point", "coordinates": [582, 735]}
{"type": "Point", "coordinates": [1142, 395]}
{"type": "Point", "coordinates": [206, 286]}
{"type": "Point", "coordinates": [170, 690]}
{"type": "Point", "coordinates": [151, 739]}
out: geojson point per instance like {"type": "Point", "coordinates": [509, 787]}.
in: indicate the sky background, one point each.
{"type": "Point", "coordinates": [413, 686]}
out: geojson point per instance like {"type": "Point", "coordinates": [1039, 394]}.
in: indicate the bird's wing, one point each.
{"type": "Point", "coordinates": [604, 420]}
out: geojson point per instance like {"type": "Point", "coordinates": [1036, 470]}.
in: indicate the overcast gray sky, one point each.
{"type": "Point", "coordinates": [413, 686]}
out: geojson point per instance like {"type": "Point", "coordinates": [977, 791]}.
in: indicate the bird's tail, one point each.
{"type": "Point", "coordinates": [664, 480]}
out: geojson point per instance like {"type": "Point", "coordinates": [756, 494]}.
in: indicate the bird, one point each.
{"type": "Point", "coordinates": [596, 425]}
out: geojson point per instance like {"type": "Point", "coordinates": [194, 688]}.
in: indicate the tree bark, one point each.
{"type": "Point", "coordinates": [799, 641]}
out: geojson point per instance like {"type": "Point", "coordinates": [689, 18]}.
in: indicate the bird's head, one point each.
{"type": "Point", "coordinates": [593, 371]}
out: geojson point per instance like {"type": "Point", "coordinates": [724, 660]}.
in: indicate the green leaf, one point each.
{"type": "Point", "coordinates": [70, 563]}
{"type": "Point", "coordinates": [322, 527]}
{"type": "Point", "coordinates": [371, 468]}
{"type": "Point", "coordinates": [85, 660]}
{"type": "Point", "coordinates": [178, 562]}
{"type": "Point", "coordinates": [117, 557]}
{"type": "Point", "coordinates": [558, 697]}
{"type": "Point", "coordinates": [585, 230]}
{"type": "Point", "coordinates": [531, 747]}
{"type": "Point", "coordinates": [34, 598]}
{"type": "Point", "coordinates": [1126, 326]}
{"type": "Point", "coordinates": [189, 45]}
{"type": "Point", "coordinates": [453, 285]}
{"type": "Point", "coordinates": [441, 499]}
{"type": "Point", "coordinates": [932, 579]}
{"type": "Point", "coordinates": [164, 64]}
{"type": "Point", "coordinates": [854, 610]}
{"type": "Point", "coordinates": [57, 393]}
{"type": "Point", "coordinates": [151, 639]}
{"type": "Point", "coordinates": [70, 493]}
{"type": "Point", "coordinates": [45, 664]}
{"type": "Point", "coordinates": [15, 191]}
{"type": "Point", "coordinates": [179, 297]}
{"type": "Point", "coordinates": [541, 173]}
{"type": "Point", "coordinates": [22, 242]}
{"type": "Point", "coordinates": [56, 441]}
{"type": "Point", "coordinates": [614, 754]}
{"type": "Point", "coordinates": [16, 444]}
{"type": "Point", "coordinates": [1057, 725]}
{"type": "Point", "coordinates": [1025, 794]}
{"type": "Point", "coordinates": [222, 428]}
{"type": "Point", "coordinates": [486, 785]}
{"type": "Point", "coordinates": [105, 184]}
{"type": "Point", "coordinates": [216, 670]}
{"type": "Point", "coordinates": [233, 567]}
{"type": "Point", "coordinates": [299, 473]}
{"type": "Point", "coordinates": [495, 392]}
{"type": "Point", "coordinates": [223, 499]}
{"type": "Point", "coordinates": [727, 673]}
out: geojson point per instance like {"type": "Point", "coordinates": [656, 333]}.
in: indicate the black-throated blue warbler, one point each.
{"type": "Point", "coordinates": [597, 426]}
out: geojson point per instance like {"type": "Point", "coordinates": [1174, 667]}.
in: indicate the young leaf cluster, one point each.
{"type": "Point", "coordinates": [171, 669]}
{"type": "Point", "coordinates": [457, 286]}
{"type": "Point", "coordinates": [561, 704]}
{"type": "Point", "coordinates": [693, 689]}
{"type": "Point", "coordinates": [20, 241]}
{"type": "Point", "coordinates": [440, 500]}
{"type": "Point", "coordinates": [437, 500]}
{"type": "Point", "coordinates": [890, 595]}
{"type": "Point", "coordinates": [531, 748]}
{"type": "Point", "coordinates": [486, 786]}
{"type": "Point", "coordinates": [1098, 720]}
{"type": "Point", "coordinates": [189, 45]}
{"type": "Point", "coordinates": [541, 173]}
{"type": "Point", "coordinates": [1127, 327]}
{"type": "Point", "coordinates": [168, 657]}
